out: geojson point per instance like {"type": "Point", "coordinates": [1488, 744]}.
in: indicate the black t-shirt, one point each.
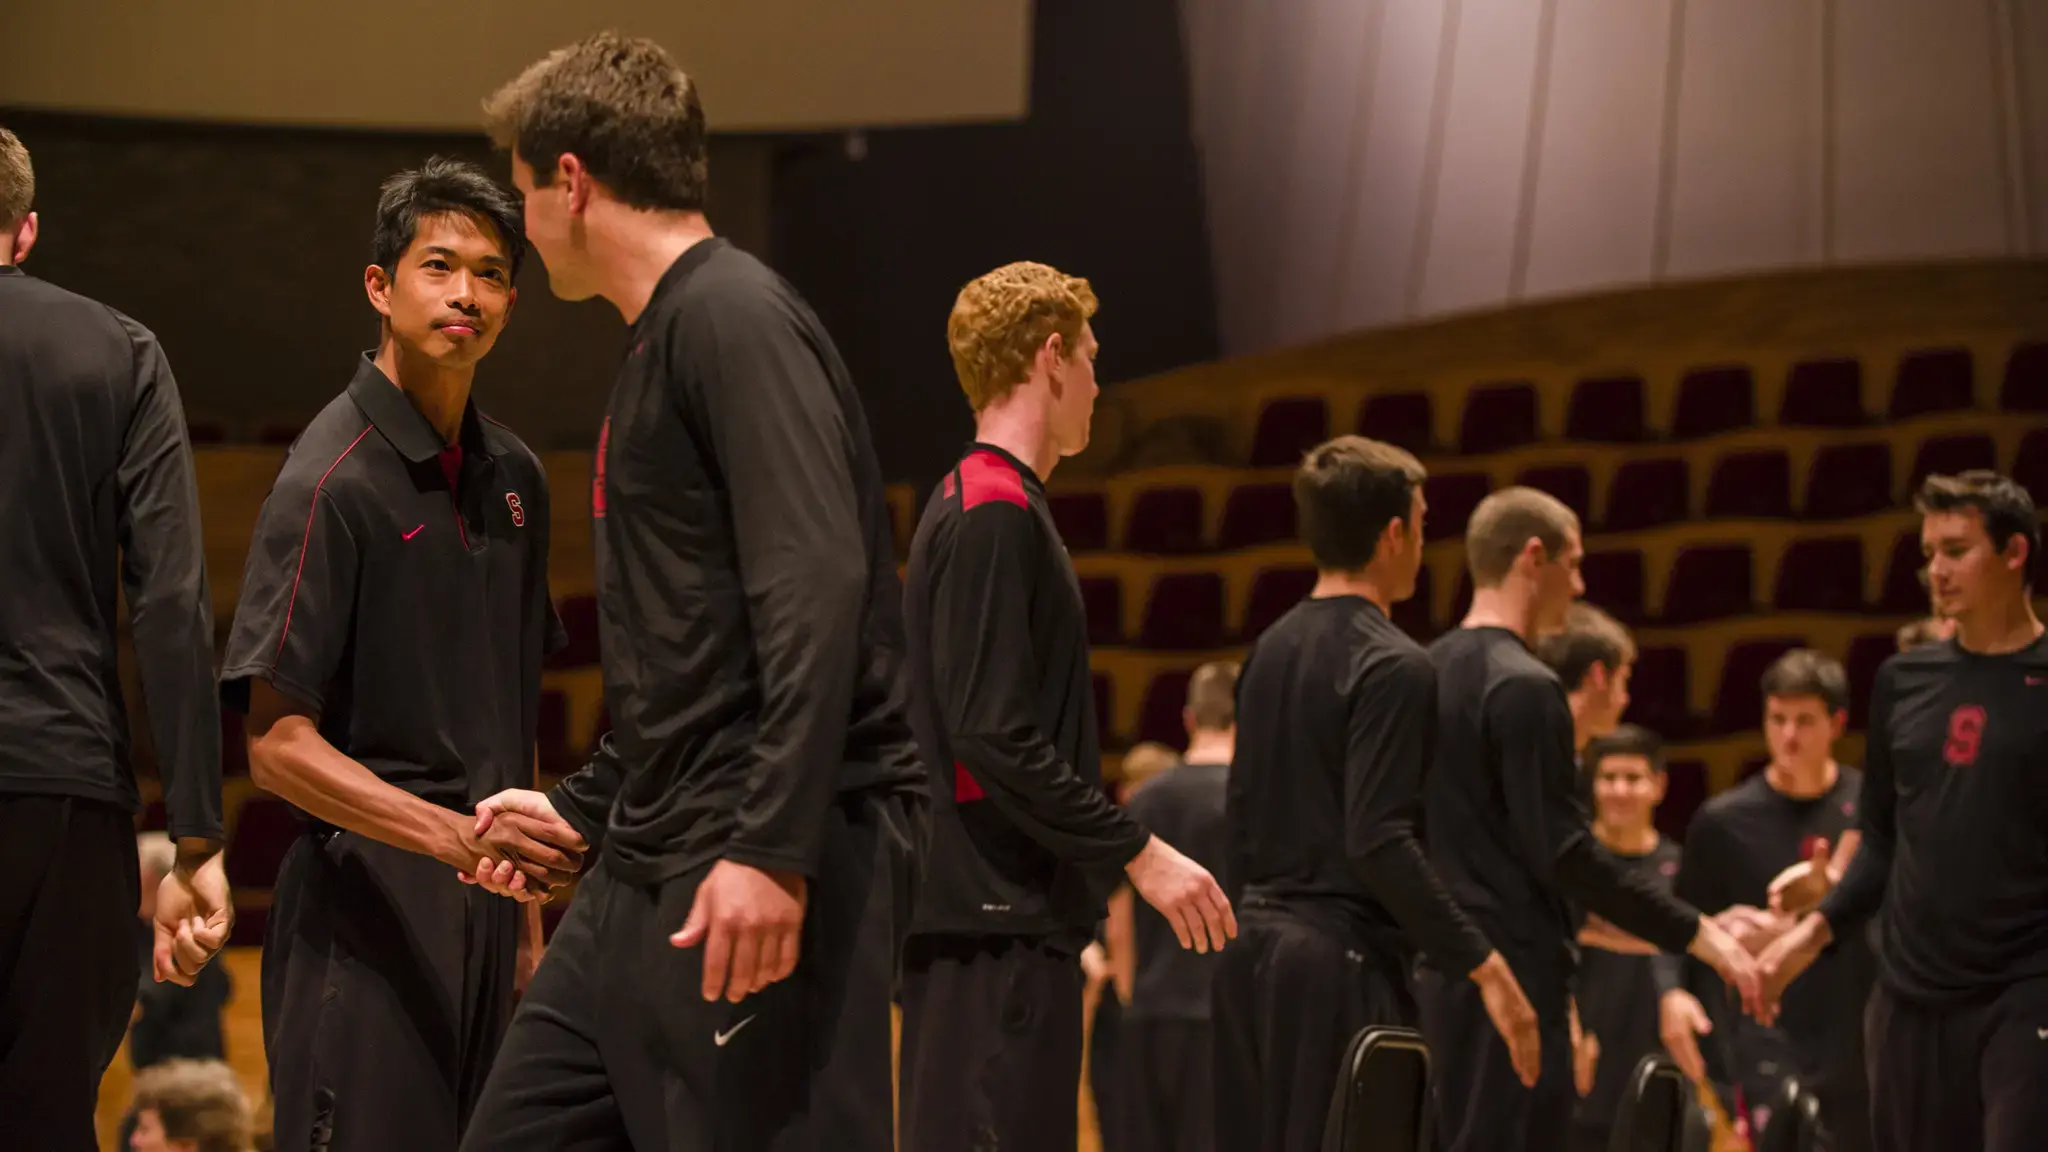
{"type": "Point", "coordinates": [749, 612]}
{"type": "Point", "coordinates": [399, 585]}
{"type": "Point", "coordinates": [1955, 823]}
{"type": "Point", "coordinates": [1337, 717]}
{"type": "Point", "coordinates": [1507, 825]}
{"type": "Point", "coordinates": [1024, 840]}
{"type": "Point", "coordinates": [1617, 996]}
{"type": "Point", "coordinates": [1184, 807]}
{"type": "Point", "coordinates": [1737, 843]}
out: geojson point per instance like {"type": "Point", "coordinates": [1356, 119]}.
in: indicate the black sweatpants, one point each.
{"type": "Point", "coordinates": [991, 1055]}
{"type": "Point", "coordinates": [1168, 1067]}
{"type": "Point", "coordinates": [1960, 1076]}
{"type": "Point", "coordinates": [387, 984]}
{"type": "Point", "coordinates": [1481, 1106]}
{"type": "Point", "coordinates": [70, 888]}
{"type": "Point", "coordinates": [1288, 997]}
{"type": "Point", "coordinates": [615, 1047]}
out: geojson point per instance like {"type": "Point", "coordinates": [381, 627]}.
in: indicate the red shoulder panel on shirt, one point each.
{"type": "Point", "coordinates": [985, 476]}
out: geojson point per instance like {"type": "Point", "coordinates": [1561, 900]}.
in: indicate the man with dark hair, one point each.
{"type": "Point", "coordinates": [1953, 846]}
{"type": "Point", "coordinates": [723, 977]}
{"type": "Point", "coordinates": [1616, 986]}
{"type": "Point", "coordinates": [1338, 714]}
{"type": "Point", "coordinates": [1509, 834]}
{"type": "Point", "coordinates": [97, 498]}
{"type": "Point", "coordinates": [1593, 656]}
{"type": "Point", "coordinates": [387, 648]}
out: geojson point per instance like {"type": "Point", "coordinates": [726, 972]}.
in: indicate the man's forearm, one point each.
{"type": "Point", "coordinates": [304, 769]}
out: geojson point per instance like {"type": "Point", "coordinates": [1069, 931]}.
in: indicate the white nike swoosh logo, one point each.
{"type": "Point", "coordinates": [720, 1038]}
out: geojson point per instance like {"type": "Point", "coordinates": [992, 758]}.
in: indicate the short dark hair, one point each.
{"type": "Point", "coordinates": [1346, 492]}
{"type": "Point", "coordinates": [1212, 695]}
{"type": "Point", "coordinates": [442, 187]}
{"type": "Point", "coordinates": [1625, 740]}
{"type": "Point", "coordinates": [17, 178]}
{"type": "Point", "coordinates": [1589, 637]}
{"type": "Point", "coordinates": [1804, 672]}
{"type": "Point", "coordinates": [623, 108]}
{"type": "Point", "coordinates": [1502, 526]}
{"type": "Point", "coordinates": [2006, 506]}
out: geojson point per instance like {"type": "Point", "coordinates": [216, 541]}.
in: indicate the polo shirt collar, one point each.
{"type": "Point", "coordinates": [386, 406]}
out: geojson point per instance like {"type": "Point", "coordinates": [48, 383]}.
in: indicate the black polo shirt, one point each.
{"type": "Point", "coordinates": [399, 585]}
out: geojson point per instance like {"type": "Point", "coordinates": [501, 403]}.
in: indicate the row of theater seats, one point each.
{"type": "Point", "coordinates": [1749, 477]}
{"type": "Point", "coordinates": [1821, 393]}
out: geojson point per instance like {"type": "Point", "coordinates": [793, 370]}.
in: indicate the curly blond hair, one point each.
{"type": "Point", "coordinates": [1000, 320]}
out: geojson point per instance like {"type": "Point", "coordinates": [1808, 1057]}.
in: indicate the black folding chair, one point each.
{"type": "Point", "coordinates": [1382, 1099]}
{"type": "Point", "coordinates": [1658, 1113]}
{"type": "Point", "coordinates": [1796, 1123]}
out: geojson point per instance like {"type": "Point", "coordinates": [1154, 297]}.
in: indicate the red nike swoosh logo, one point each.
{"type": "Point", "coordinates": [415, 532]}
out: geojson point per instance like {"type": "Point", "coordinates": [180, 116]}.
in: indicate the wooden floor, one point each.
{"type": "Point", "coordinates": [244, 1020]}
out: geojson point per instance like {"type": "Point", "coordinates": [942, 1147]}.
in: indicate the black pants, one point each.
{"type": "Point", "coordinates": [387, 984]}
{"type": "Point", "coordinates": [69, 890]}
{"type": "Point", "coordinates": [1168, 1068]}
{"type": "Point", "coordinates": [991, 1054]}
{"type": "Point", "coordinates": [1960, 1076]}
{"type": "Point", "coordinates": [1106, 1070]}
{"type": "Point", "coordinates": [1481, 1106]}
{"type": "Point", "coordinates": [614, 1046]}
{"type": "Point", "coordinates": [1288, 997]}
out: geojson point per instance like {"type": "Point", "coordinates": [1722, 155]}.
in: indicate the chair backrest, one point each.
{"type": "Point", "coordinates": [1381, 1103]}
{"type": "Point", "coordinates": [1654, 1112]}
{"type": "Point", "coordinates": [1795, 1124]}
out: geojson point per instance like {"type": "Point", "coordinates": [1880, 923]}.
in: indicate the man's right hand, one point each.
{"type": "Point", "coordinates": [521, 846]}
{"type": "Point", "coordinates": [1713, 946]}
{"type": "Point", "coordinates": [1681, 1021]}
{"type": "Point", "coordinates": [1184, 893]}
{"type": "Point", "coordinates": [1512, 1016]}
{"type": "Point", "coordinates": [194, 912]}
{"type": "Point", "coordinates": [1787, 957]}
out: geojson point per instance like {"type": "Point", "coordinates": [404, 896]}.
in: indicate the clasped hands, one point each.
{"type": "Point", "coordinates": [521, 847]}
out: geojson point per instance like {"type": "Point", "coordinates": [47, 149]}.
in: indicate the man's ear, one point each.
{"type": "Point", "coordinates": [25, 238]}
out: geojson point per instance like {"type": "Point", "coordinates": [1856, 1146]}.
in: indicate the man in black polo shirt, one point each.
{"type": "Point", "coordinates": [1509, 834]}
{"type": "Point", "coordinates": [1954, 822]}
{"type": "Point", "coordinates": [1026, 844]}
{"type": "Point", "coordinates": [387, 647]}
{"type": "Point", "coordinates": [1337, 710]}
{"type": "Point", "coordinates": [723, 977]}
{"type": "Point", "coordinates": [95, 480]}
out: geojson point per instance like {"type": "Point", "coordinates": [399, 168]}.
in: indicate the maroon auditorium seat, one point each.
{"type": "Point", "coordinates": [1102, 597]}
{"type": "Point", "coordinates": [1823, 394]}
{"type": "Point", "coordinates": [1184, 612]}
{"type": "Point", "coordinates": [1904, 592]}
{"type": "Point", "coordinates": [1847, 480]}
{"type": "Point", "coordinates": [1865, 654]}
{"type": "Point", "coordinates": [1739, 702]}
{"type": "Point", "coordinates": [1082, 518]}
{"type": "Point", "coordinates": [1412, 615]}
{"type": "Point", "coordinates": [1750, 486]}
{"type": "Point", "coordinates": [1658, 691]}
{"type": "Point", "coordinates": [1166, 521]}
{"type": "Point", "coordinates": [1821, 575]}
{"type": "Point", "coordinates": [1568, 482]}
{"type": "Point", "coordinates": [1289, 426]}
{"type": "Point", "coordinates": [1685, 789]}
{"type": "Point", "coordinates": [1273, 592]}
{"type": "Point", "coordinates": [1257, 514]}
{"type": "Point", "coordinates": [1615, 581]}
{"type": "Point", "coordinates": [579, 620]}
{"type": "Point", "coordinates": [2030, 466]}
{"type": "Point", "coordinates": [1105, 711]}
{"type": "Point", "coordinates": [1709, 582]}
{"type": "Point", "coordinates": [1451, 498]}
{"type": "Point", "coordinates": [1714, 399]}
{"type": "Point", "coordinates": [1646, 494]}
{"type": "Point", "coordinates": [1934, 380]}
{"type": "Point", "coordinates": [1498, 417]}
{"type": "Point", "coordinates": [265, 828]}
{"type": "Point", "coordinates": [2026, 380]}
{"type": "Point", "coordinates": [1402, 419]}
{"type": "Point", "coordinates": [1160, 716]}
{"type": "Point", "coordinates": [1608, 410]}
{"type": "Point", "coordinates": [1949, 455]}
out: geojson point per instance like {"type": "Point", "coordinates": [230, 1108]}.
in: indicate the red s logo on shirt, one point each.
{"type": "Point", "coordinates": [518, 513]}
{"type": "Point", "coordinates": [1965, 736]}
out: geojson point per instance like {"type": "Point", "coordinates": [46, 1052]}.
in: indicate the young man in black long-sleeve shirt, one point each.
{"type": "Point", "coordinates": [1954, 822]}
{"type": "Point", "coordinates": [97, 496]}
{"type": "Point", "coordinates": [1508, 832]}
{"type": "Point", "coordinates": [1026, 846]}
{"type": "Point", "coordinates": [1338, 714]}
{"type": "Point", "coordinates": [722, 979]}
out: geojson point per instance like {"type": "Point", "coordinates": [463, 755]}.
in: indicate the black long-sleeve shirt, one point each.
{"type": "Point", "coordinates": [1024, 841]}
{"type": "Point", "coordinates": [1183, 806]}
{"type": "Point", "coordinates": [1507, 826]}
{"type": "Point", "coordinates": [96, 484]}
{"type": "Point", "coordinates": [1337, 718]}
{"type": "Point", "coordinates": [749, 612]}
{"type": "Point", "coordinates": [1955, 823]}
